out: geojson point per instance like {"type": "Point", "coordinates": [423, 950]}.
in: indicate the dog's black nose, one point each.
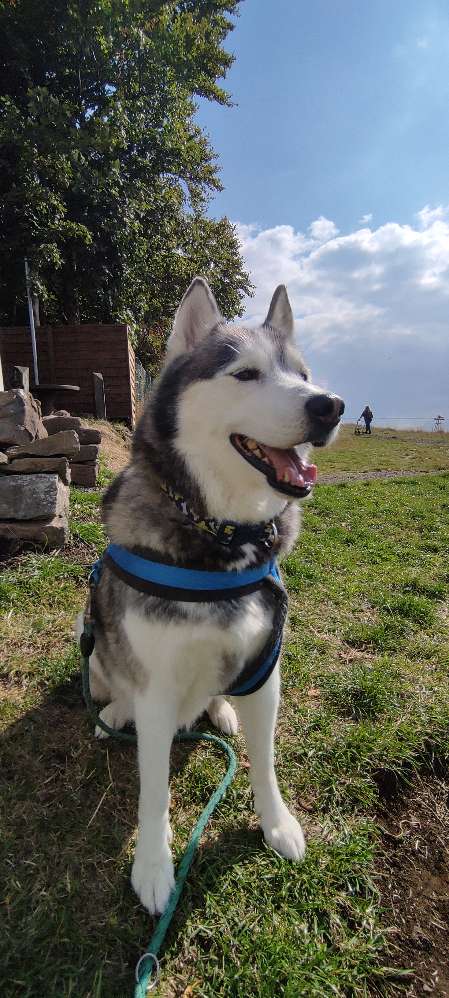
{"type": "Point", "coordinates": [325, 408]}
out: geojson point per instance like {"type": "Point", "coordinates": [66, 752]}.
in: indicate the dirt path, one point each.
{"type": "Point", "coordinates": [116, 445]}
{"type": "Point", "coordinates": [366, 476]}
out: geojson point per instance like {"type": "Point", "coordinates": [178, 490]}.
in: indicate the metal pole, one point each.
{"type": "Point", "coordinates": [32, 329]}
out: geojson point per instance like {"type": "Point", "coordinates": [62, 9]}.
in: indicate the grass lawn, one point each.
{"type": "Point", "coordinates": [364, 723]}
{"type": "Point", "coordinates": [385, 450]}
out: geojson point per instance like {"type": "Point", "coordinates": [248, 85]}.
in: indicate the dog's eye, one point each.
{"type": "Point", "coordinates": [248, 374]}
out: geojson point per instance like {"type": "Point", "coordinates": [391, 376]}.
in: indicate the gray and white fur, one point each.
{"type": "Point", "coordinates": [161, 663]}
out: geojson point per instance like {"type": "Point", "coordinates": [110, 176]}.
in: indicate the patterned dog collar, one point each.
{"type": "Point", "coordinates": [226, 532]}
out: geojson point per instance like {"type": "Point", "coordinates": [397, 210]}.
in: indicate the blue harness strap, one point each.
{"type": "Point", "coordinates": [186, 584]}
{"type": "Point", "coordinates": [190, 585]}
{"type": "Point", "coordinates": [256, 672]}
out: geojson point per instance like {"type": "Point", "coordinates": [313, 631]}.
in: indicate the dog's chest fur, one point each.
{"type": "Point", "coordinates": [199, 656]}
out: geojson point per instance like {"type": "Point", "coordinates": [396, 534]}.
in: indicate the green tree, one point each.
{"type": "Point", "coordinates": [104, 173]}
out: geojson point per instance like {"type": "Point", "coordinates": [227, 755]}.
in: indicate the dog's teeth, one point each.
{"type": "Point", "coordinates": [252, 447]}
{"type": "Point", "coordinates": [286, 477]}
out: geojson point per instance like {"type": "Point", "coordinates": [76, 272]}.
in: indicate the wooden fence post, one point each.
{"type": "Point", "coordinates": [99, 395]}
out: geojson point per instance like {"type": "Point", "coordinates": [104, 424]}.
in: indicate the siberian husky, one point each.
{"type": "Point", "coordinates": [227, 427]}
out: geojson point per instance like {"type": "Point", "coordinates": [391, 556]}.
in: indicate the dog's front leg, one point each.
{"type": "Point", "coordinates": [258, 713]}
{"type": "Point", "coordinates": [152, 873]}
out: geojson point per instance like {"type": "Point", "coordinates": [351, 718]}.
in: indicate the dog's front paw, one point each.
{"type": "Point", "coordinates": [115, 715]}
{"type": "Point", "coordinates": [153, 880]}
{"type": "Point", "coordinates": [223, 716]}
{"type": "Point", "coordinates": [285, 836]}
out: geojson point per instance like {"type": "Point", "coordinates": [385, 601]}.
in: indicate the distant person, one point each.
{"type": "Point", "coordinates": [368, 417]}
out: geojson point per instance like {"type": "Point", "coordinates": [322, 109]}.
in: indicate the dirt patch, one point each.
{"type": "Point", "coordinates": [414, 884]}
{"type": "Point", "coordinates": [115, 443]}
{"type": "Point", "coordinates": [11, 688]}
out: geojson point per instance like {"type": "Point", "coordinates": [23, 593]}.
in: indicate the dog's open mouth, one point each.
{"type": "Point", "coordinates": [284, 470]}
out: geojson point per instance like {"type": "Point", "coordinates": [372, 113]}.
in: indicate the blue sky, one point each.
{"type": "Point", "coordinates": [335, 163]}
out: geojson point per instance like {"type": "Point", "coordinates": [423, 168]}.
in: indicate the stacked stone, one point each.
{"type": "Point", "coordinates": [84, 464]}
{"type": "Point", "coordinates": [34, 473]}
{"type": "Point", "coordinates": [38, 459]}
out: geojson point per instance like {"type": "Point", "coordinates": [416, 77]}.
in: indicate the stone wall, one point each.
{"type": "Point", "coordinates": [39, 457]}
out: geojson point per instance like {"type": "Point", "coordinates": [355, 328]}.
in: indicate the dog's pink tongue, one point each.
{"type": "Point", "coordinates": [288, 462]}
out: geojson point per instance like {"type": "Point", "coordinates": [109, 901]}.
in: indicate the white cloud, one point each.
{"type": "Point", "coordinates": [365, 219]}
{"type": "Point", "coordinates": [323, 229]}
{"type": "Point", "coordinates": [371, 306]}
{"type": "Point", "coordinates": [427, 216]}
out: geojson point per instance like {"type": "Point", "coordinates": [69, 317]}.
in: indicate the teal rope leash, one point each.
{"type": "Point", "coordinates": [148, 962]}
{"type": "Point", "coordinates": [143, 977]}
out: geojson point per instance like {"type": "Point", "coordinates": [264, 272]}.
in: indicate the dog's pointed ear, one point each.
{"type": "Point", "coordinates": [197, 314]}
{"type": "Point", "coordinates": [280, 314]}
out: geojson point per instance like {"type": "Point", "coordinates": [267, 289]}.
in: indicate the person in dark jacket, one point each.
{"type": "Point", "coordinates": [368, 417]}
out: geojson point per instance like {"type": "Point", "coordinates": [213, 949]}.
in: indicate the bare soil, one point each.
{"type": "Point", "coordinates": [115, 443]}
{"type": "Point", "coordinates": [414, 884]}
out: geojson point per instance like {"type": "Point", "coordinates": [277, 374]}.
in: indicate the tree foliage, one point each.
{"type": "Point", "coordinates": [104, 172]}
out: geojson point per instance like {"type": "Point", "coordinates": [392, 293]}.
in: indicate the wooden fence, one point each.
{"type": "Point", "coordinates": [69, 355]}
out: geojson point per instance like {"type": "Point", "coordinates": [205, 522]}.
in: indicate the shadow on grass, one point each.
{"type": "Point", "coordinates": [73, 924]}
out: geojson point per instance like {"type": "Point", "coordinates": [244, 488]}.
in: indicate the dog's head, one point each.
{"type": "Point", "coordinates": [237, 407]}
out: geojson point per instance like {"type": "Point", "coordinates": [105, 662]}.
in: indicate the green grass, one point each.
{"type": "Point", "coordinates": [40, 595]}
{"type": "Point", "coordinates": [385, 450]}
{"type": "Point", "coordinates": [366, 701]}
{"type": "Point", "coordinates": [85, 522]}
